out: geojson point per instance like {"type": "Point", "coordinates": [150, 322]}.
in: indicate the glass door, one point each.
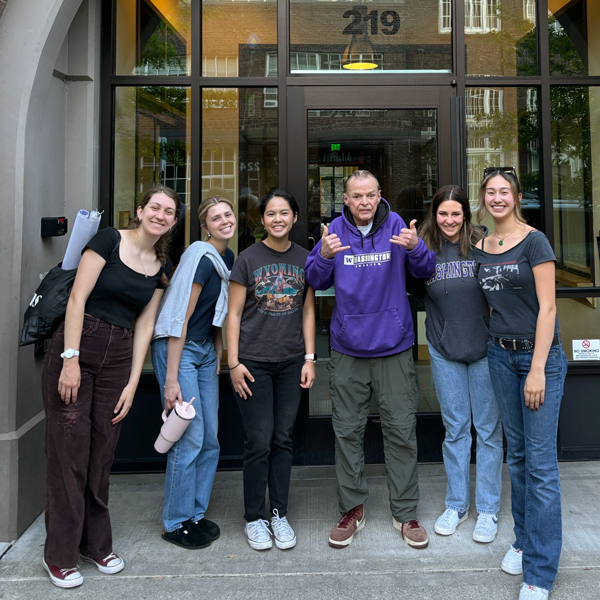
{"type": "Point", "coordinates": [403, 136]}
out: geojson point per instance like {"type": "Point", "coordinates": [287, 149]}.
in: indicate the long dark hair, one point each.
{"type": "Point", "coordinates": [430, 231]}
{"type": "Point", "coordinates": [161, 248]}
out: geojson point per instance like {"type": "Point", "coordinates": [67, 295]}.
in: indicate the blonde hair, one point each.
{"type": "Point", "coordinates": [515, 188]}
{"type": "Point", "coordinates": [205, 206]}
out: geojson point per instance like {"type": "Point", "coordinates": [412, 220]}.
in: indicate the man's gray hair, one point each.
{"type": "Point", "coordinates": [360, 174]}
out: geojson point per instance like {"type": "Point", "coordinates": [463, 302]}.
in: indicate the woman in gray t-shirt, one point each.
{"type": "Point", "coordinates": [515, 267]}
{"type": "Point", "coordinates": [270, 349]}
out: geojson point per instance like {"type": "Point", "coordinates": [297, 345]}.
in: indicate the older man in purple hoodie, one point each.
{"type": "Point", "coordinates": [364, 253]}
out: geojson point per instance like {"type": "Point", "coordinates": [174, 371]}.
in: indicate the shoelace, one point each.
{"type": "Point", "coordinates": [110, 557]}
{"type": "Point", "coordinates": [67, 571]}
{"type": "Point", "coordinates": [281, 526]}
{"type": "Point", "coordinates": [485, 521]}
{"type": "Point", "coordinates": [414, 524]}
{"type": "Point", "coordinates": [260, 527]}
{"type": "Point", "coordinates": [446, 517]}
{"type": "Point", "coordinates": [350, 516]}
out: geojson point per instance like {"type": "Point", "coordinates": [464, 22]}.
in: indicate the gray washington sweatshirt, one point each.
{"type": "Point", "coordinates": [457, 312]}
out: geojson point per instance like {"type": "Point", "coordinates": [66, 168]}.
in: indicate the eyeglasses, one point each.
{"type": "Point", "coordinates": [508, 170]}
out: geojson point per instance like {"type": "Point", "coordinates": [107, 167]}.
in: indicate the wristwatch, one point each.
{"type": "Point", "coordinates": [311, 357]}
{"type": "Point", "coordinates": [69, 353]}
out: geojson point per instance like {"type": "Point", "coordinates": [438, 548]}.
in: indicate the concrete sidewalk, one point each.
{"type": "Point", "coordinates": [378, 564]}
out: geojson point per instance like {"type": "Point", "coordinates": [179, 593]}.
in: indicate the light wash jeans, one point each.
{"type": "Point", "coordinates": [531, 458]}
{"type": "Point", "coordinates": [192, 461]}
{"type": "Point", "coordinates": [464, 391]}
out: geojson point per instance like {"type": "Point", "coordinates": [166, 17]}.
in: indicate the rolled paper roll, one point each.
{"type": "Point", "coordinates": [84, 229]}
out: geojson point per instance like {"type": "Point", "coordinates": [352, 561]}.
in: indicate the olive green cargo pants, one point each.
{"type": "Point", "coordinates": [394, 383]}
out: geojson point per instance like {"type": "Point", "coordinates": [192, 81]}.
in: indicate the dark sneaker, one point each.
{"type": "Point", "coordinates": [413, 532]}
{"type": "Point", "coordinates": [207, 527]}
{"type": "Point", "coordinates": [63, 578]}
{"type": "Point", "coordinates": [191, 538]}
{"type": "Point", "coordinates": [343, 533]}
{"type": "Point", "coordinates": [109, 565]}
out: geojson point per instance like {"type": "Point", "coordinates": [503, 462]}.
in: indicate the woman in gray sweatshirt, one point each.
{"type": "Point", "coordinates": [457, 334]}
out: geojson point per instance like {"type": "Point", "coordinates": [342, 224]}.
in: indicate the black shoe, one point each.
{"type": "Point", "coordinates": [191, 538]}
{"type": "Point", "coordinates": [206, 526]}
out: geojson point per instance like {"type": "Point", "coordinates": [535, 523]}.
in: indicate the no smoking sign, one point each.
{"type": "Point", "coordinates": [586, 349]}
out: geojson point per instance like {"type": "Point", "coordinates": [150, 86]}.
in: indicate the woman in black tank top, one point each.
{"type": "Point", "coordinates": [91, 373]}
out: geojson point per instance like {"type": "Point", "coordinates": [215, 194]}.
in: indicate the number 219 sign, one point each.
{"type": "Point", "coordinates": [389, 19]}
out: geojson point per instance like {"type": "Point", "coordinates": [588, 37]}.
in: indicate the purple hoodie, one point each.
{"type": "Point", "coordinates": [371, 316]}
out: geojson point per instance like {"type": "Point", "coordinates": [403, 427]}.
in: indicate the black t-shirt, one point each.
{"type": "Point", "coordinates": [271, 326]}
{"type": "Point", "coordinates": [120, 294]}
{"type": "Point", "coordinates": [200, 325]}
{"type": "Point", "coordinates": [509, 286]}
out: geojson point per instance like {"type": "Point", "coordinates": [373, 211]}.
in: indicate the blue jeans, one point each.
{"type": "Point", "coordinates": [531, 458]}
{"type": "Point", "coordinates": [192, 461]}
{"type": "Point", "coordinates": [465, 392]}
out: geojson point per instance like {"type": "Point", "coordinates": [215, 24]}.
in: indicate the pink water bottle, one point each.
{"type": "Point", "coordinates": [174, 425]}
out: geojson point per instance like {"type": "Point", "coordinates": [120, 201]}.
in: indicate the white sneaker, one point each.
{"type": "Point", "coordinates": [512, 563]}
{"type": "Point", "coordinates": [531, 592]}
{"type": "Point", "coordinates": [486, 528]}
{"type": "Point", "coordinates": [259, 535]}
{"type": "Point", "coordinates": [282, 532]}
{"type": "Point", "coordinates": [449, 521]}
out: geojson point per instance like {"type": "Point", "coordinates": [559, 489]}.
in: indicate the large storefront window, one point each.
{"type": "Point", "coordinates": [500, 37]}
{"type": "Point", "coordinates": [575, 189]}
{"type": "Point", "coordinates": [502, 130]}
{"type": "Point", "coordinates": [239, 153]}
{"type": "Point", "coordinates": [239, 38]}
{"type": "Point", "coordinates": [379, 36]}
{"type": "Point", "coordinates": [573, 26]}
{"type": "Point", "coordinates": [152, 146]}
{"type": "Point", "coordinates": [153, 37]}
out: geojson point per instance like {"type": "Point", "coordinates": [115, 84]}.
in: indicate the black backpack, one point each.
{"type": "Point", "coordinates": [48, 306]}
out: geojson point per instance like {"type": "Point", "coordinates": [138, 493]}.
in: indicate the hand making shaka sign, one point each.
{"type": "Point", "coordinates": [331, 244]}
{"type": "Point", "coordinates": [408, 238]}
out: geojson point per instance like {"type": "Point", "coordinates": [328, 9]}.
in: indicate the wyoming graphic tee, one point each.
{"type": "Point", "coordinates": [271, 326]}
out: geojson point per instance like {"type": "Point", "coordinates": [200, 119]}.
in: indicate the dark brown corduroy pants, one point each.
{"type": "Point", "coordinates": [81, 441]}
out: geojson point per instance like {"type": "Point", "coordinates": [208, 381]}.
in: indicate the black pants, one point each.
{"type": "Point", "coordinates": [81, 441]}
{"type": "Point", "coordinates": [268, 416]}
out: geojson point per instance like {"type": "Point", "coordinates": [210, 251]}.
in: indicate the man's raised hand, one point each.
{"type": "Point", "coordinates": [408, 238]}
{"type": "Point", "coordinates": [331, 244]}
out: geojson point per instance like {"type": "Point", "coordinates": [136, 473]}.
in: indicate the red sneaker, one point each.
{"type": "Point", "coordinates": [63, 578]}
{"type": "Point", "coordinates": [413, 532]}
{"type": "Point", "coordinates": [343, 533]}
{"type": "Point", "coordinates": [109, 565]}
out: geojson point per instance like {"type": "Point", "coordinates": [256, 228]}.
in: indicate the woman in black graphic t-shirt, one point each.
{"type": "Point", "coordinates": [528, 367]}
{"type": "Point", "coordinates": [270, 349]}
{"type": "Point", "coordinates": [91, 372]}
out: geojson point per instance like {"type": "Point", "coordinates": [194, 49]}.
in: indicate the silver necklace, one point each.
{"type": "Point", "coordinates": [139, 255]}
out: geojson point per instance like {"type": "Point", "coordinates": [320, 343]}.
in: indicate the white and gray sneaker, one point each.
{"type": "Point", "coordinates": [486, 528]}
{"type": "Point", "coordinates": [449, 521]}
{"type": "Point", "coordinates": [512, 563]}
{"type": "Point", "coordinates": [282, 532]}
{"type": "Point", "coordinates": [531, 592]}
{"type": "Point", "coordinates": [259, 535]}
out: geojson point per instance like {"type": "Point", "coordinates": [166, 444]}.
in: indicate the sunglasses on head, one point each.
{"type": "Point", "coordinates": [508, 170]}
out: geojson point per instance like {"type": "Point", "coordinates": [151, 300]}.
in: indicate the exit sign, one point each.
{"type": "Point", "coordinates": [335, 147]}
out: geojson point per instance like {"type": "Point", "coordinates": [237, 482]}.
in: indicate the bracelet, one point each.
{"type": "Point", "coordinates": [166, 387]}
{"type": "Point", "coordinates": [310, 360]}
{"type": "Point", "coordinates": [236, 366]}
